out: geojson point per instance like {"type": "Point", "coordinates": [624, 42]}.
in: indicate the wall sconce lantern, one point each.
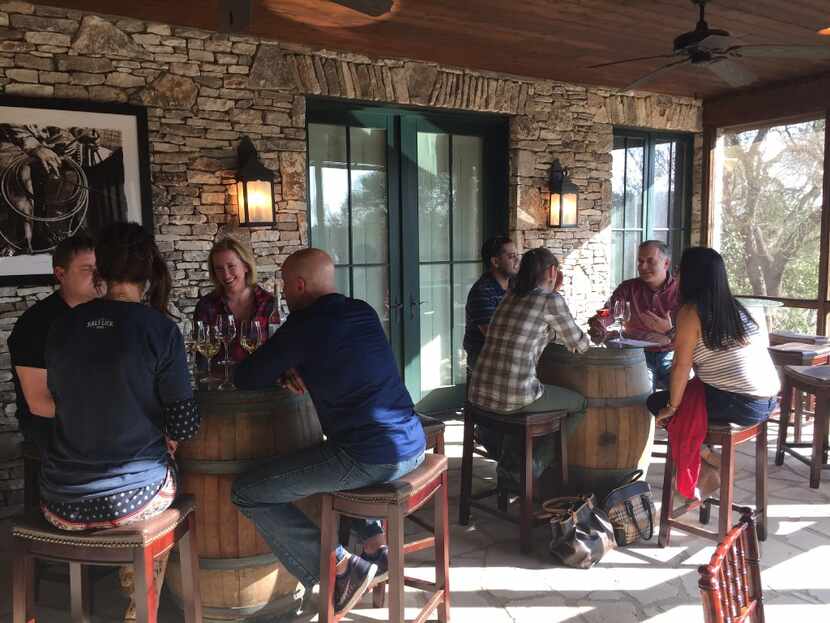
{"type": "Point", "coordinates": [254, 188]}
{"type": "Point", "coordinates": [563, 194]}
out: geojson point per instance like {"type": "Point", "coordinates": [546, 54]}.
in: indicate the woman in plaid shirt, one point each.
{"type": "Point", "coordinates": [530, 317]}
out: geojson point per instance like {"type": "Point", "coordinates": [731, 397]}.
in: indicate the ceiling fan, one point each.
{"type": "Point", "coordinates": [710, 48]}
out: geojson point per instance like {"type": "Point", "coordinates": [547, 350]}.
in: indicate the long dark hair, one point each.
{"type": "Point", "coordinates": [127, 253]}
{"type": "Point", "coordinates": [534, 263]}
{"type": "Point", "coordinates": [703, 283]}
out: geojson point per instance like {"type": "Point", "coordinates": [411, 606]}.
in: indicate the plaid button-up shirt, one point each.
{"type": "Point", "coordinates": [505, 376]}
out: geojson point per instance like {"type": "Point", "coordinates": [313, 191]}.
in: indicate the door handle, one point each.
{"type": "Point", "coordinates": [413, 306]}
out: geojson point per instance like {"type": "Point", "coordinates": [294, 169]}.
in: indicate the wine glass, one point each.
{"type": "Point", "coordinates": [189, 343]}
{"type": "Point", "coordinates": [207, 344]}
{"type": "Point", "coordinates": [626, 317]}
{"type": "Point", "coordinates": [250, 335]}
{"type": "Point", "coordinates": [226, 329]}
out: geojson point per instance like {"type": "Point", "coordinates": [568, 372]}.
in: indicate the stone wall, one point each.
{"type": "Point", "coordinates": [203, 91]}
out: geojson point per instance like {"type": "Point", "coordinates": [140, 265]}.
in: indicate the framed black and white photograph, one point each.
{"type": "Point", "coordinates": [66, 166]}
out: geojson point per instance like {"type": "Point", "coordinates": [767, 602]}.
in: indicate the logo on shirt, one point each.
{"type": "Point", "coordinates": [101, 323]}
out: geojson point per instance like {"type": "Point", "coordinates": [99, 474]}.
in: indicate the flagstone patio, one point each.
{"type": "Point", "coordinates": [491, 582]}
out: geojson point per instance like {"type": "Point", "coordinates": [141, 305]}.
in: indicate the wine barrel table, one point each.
{"type": "Point", "coordinates": [615, 436]}
{"type": "Point", "coordinates": [239, 575]}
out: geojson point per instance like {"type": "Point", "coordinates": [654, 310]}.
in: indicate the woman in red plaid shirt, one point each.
{"type": "Point", "coordinates": [232, 269]}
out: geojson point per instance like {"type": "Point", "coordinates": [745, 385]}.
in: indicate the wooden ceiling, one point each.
{"type": "Point", "coordinates": [555, 39]}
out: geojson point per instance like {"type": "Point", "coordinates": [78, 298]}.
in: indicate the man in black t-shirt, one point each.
{"type": "Point", "coordinates": [73, 263]}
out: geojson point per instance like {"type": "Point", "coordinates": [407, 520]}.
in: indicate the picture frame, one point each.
{"type": "Point", "coordinates": [66, 166]}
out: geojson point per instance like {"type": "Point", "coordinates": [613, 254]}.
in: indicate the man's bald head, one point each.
{"type": "Point", "coordinates": [307, 275]}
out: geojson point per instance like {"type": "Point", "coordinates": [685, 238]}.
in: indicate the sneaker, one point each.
{"type": "Point", "coordinates": [349, 587]}
{"type": "Point", "coordinates": [381, 559]}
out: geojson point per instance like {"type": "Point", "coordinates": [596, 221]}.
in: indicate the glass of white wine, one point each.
{"type": "Point", "coordinates": [250, 335]}
{"type": "Point", "coordinates": [207, 344]}
{"type": "Point", "coordinates": [226, 329]}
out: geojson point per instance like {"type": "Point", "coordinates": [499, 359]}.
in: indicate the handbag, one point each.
{"type": "Point", "coordinates": [630, 508]}
{"type": "Point", "coordinates": [581, 533]}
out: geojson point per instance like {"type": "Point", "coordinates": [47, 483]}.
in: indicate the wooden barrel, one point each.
{"type": "Point", "coordinates": [240, 577]}
{"type": "Point", "coordinates": [615, 436]}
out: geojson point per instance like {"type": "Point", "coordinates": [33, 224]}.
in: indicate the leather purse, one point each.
{"type": "Point", "coordinates": [581, 533]}
{"type": "Point", "coordinates": [630, 508]}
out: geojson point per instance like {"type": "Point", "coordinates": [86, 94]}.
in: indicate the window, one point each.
{"type": "Point", "coordinates": [767, 199]}
{"type": "Point", "coordinates": [651, 195]}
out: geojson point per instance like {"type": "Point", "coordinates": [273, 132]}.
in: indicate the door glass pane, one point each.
{"type": "Point", "coordinates": [634, 178]}
{"type": "Point", "coordinates": [341, 279]}
{"type": "Point", "coordinates": [767, 194]}
{"type": "Point", "coordinates": [370, 285]}
{"type": "Point", "coordinates": [467, 206]}
{"type": "Point", "coordinates": [436, 340]}
{"type": "Point", "coordinates": [632, 242]}
{"type": "Point", "coordinates": [433, 196]}
{"type": "Point", "coordinates": [369, 206]}
{"type": "Point", "coordinates": [618, 182]}
{"type": "Point", "coordinates": [464, 276]}
{"type": "Point", "coordinates": [617, 258]}
{"type": "Point", "coordinates": [663, 184]}
{"type": "Point", "coordinates": [328, 190]}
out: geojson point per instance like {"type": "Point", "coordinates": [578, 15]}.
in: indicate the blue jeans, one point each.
{"type": "Point", "coordinates": [725, 407]}
{"type": "Point", "coordinates": [659, 368]}
{"type": "Point", "coordinates": [264, 495]}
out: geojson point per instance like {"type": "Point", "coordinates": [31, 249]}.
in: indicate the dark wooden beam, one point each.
{"type": "Point", "coordinates": [795, 98]}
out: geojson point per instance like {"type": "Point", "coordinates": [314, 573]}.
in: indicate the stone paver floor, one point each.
{"type": "Point", "coordinates": [491, 582]}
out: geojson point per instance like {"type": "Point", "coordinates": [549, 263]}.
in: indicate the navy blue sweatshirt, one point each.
{"type": "Point", "coordinates": [338, 347]}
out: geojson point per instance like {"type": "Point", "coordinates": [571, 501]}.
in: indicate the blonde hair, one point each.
{"type": "Point", "coordinates": [229, 243]}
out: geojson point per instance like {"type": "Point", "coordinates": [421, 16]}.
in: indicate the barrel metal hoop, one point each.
{"type": "Point", "coordinates": [628, 401]}
{"type": "Point", "coordinates": [227, 564]}
{"type": "Point", "coordinates": [285, 605]}
{"type": "Point", "coordinates": [199, 466]}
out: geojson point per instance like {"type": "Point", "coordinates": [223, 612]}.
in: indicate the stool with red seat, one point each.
{"type": "Point", "coordinates": [137, 544]}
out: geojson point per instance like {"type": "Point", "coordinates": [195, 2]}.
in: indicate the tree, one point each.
{"type": "Point", "coordinates": [770, 207]}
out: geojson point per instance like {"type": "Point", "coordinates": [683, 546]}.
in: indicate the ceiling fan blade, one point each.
{"type": "Point", "coordinates": [651, 75]}
{"type": "Point", "coordinates": [630, 60]}
{"type": "Point", "coordinates": [373, 8]}
{"type": "Point", "coordinates": [731, 72]}
{"type": "Point", "coordinates": [817, 52]}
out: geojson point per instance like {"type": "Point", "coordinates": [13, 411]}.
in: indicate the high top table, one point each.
{"type": "Point", "coordinates": [239, 575]}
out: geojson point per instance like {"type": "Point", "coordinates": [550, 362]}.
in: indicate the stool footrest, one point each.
{"type": "Point", "coordinates": [421, 585]}
{"type": "Point", "coordinates": [432, 603]}
{"type": "Point", "coordinates": [790, 449]}
{"type": "Point", "coordinates": [421, 544]}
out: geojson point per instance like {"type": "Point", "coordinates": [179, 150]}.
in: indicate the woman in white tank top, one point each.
{"type": "Point", "coordinates": [719, 340]}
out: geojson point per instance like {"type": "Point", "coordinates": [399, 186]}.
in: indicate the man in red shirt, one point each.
{"type": "Point", "coordinates": [654, 301]}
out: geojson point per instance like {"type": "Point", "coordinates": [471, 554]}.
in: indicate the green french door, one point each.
{"type": "Point", "coordinates": [403, 200]}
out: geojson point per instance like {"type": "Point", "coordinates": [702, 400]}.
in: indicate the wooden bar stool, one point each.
{"type": "Point", "coordinates": [813, 380]}
{"type": "Point", "coordinates": [528, 426]}
{"type": "Point", "coordinates": [728, 437]}
{"type": "Point", "coordinates": [393, 502]}
{"type": "Point", "coordinates": [798, 354]}
{"type": "Point", "coordinates": [434, 431]}
{"type": "Point", "coordinates": [137, 544]}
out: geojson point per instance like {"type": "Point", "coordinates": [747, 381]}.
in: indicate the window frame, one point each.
{"type": "Point", "coordinates": [677, 241]}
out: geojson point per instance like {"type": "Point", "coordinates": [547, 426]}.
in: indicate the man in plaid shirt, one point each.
{"type": "Point", "coordinates": [504, 381]}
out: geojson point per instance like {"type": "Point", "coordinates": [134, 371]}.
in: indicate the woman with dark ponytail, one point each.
{"type": "Point", "coordinates": [117, 371]}
{"type": "Point", "coordinates": [531, 316]}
